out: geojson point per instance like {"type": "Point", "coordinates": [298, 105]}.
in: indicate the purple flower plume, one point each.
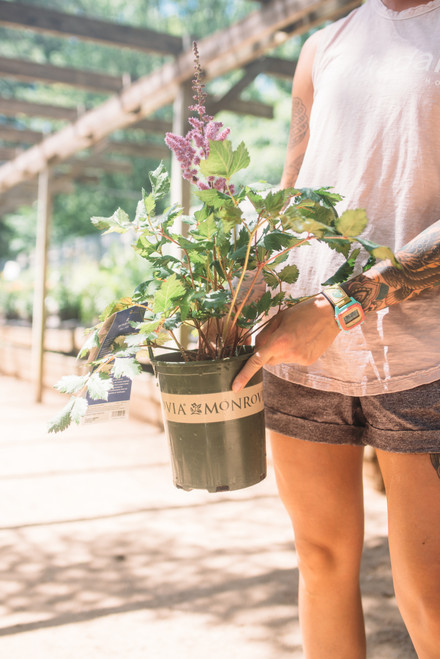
{"type": "Point", "coordinates": [191, 149]}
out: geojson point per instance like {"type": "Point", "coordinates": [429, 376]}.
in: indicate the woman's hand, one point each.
{"type": "Point", "coordinates": [297, 335]}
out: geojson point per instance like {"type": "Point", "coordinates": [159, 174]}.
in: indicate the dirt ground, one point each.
{"type": "Point", "coordinates": [102, 557]}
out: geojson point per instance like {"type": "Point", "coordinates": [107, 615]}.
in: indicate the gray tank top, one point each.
{"type": "Point", "coordinates": [375, 137]}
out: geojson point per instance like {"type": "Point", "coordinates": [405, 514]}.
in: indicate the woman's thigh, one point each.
{"type": "Point", "coordinates": [412, 486]}
{"type": "Point", "coordinates": [321, 488]}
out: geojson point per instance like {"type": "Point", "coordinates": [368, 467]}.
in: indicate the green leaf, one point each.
{"type": "Point", "coordinates": [119, 222]}
{"type": "Point", "coordinates": [379, 251]}
{"type": "Point", "coordinates": [274, 201]}
{"type": "Point", "coordinates": [98, 386]}
{"type": "Point", "coordinates": [79, 408]}
{"type": "Point", "coordinates": [276, 240]}
{"type": "Point", "coordinates": [289, 274]}
{"type": "Point", "coordinates": [63, 419]}
{"type": "Point", "coordinates": [270, 279]}
{"type": "Point", "coordinates": [230, 217]}
{"type": "Point", "coordinates": [160, 181]}
{"type": "Point", "coordinates": [264, 303]}
{"type": "Point", "coordinates": [170, 289]}
{"type": "Point", "coordinates": [70, 384]}
{"type": "Point", "coordinates": [149, 204]}
{"type": "Point", "coordinates": [346, 269]}
{"type": "Point", "coordinates": [92, 342]}
{"type": "Point", "coordinates": [223, 161]}
{"type": "Point", "coordinates": [127, 367]}
{"type": "Point", "coordinates": [213, 197]}
{"type": "Point", "coordinates": [207, 227]}
{"type": "Point", "coordinates": [352, 222]}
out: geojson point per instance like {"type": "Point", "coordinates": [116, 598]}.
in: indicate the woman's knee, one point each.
{"type": "Point", "coordinates": [328, 560]}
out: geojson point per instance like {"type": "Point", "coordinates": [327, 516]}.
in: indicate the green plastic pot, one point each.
{"type": "Point", "coordinates": [216, 437]}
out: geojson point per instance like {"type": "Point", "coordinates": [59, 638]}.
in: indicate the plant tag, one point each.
{"type": "Point", "coordinates": [116, 406]}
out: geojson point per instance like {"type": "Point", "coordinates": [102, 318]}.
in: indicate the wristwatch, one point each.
{"type": "Point", "coordinates": [348, 312]}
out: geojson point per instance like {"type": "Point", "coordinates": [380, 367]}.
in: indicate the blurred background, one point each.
{"type": "Point", "coordinates": [63, 60]}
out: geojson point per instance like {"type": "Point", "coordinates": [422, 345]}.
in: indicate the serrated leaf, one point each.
{"type": "Point", "coordinates": [119, 222]}
{"type": "Point", "coordinates": [223, 161]}
{"type": "Point", "coordinates": [79, 408]}
{"type": "Point", "coordinates": [160, 181]}
{"type": "Point", "coordinates": [379, 251]}
{"type": "Point", "coordinates": [270, 279]}
{"type": "Point", "coordinates": [149, 204]}
{"type": "Point", "coordinates": [213, 197]}
{"type": "Point", "coordinates": [264, 303]}
{"type": "Point", "coordinates": [344, 272]}
{"type": "Point", "coordinates": [207, 227]}
{"type": "Point", "coordinates": [63, 419]}
{"type": "Point", "coordinates": [289, 274]}
{"type": "Point", "coordinates": [126, 366]}
{"type": "Point", "coordinates": [92, 342]}
{"type": "Point", "coordinates": [276, 240]}
{"type": "Point", "coordinates": [70, 384]}
{"type": "Point", "coordinates": [274, 201]}
{"type": "Point", "coordinates": [170, 289]}
{"type": "Point", "coordinates": [352, 222]}
{"type": "Point", "coordinates": [99, 385]}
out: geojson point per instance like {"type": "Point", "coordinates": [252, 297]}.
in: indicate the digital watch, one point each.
{"type": "Point", "coordinates": [348, 312]}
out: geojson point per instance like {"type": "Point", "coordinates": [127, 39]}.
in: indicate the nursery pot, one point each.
{"type": "Point", "coordinates": [216, 437]}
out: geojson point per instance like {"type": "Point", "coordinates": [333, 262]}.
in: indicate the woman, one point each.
{"type": "Point", "coordinates": [365, 120]}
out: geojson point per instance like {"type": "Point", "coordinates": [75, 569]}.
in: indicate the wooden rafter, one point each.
{"type": "Point", "coordinates": [20, 15]}
{"type": "Point", "coordinates": [12, 107]}
{"type": "Point", "coordinates": [47, 73]}
{"type": "Point", "coordinates": [221, 52]}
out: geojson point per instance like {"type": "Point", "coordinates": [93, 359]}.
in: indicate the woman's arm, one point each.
{"type": "Point", "coordinates": [302, 99]}
{"type": "Point", "coordinates": [304, 332]}
{"type": "Point", "coordinates": [384, 284]}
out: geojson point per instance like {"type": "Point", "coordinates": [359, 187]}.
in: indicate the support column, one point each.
{"type": "Point", "coordinates": [44, 212]}
{"type": "Point", "coordinates": [181, 188]}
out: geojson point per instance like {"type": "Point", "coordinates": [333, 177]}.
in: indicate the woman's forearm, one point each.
{"type": "Point", "coordinates": [385, 284]}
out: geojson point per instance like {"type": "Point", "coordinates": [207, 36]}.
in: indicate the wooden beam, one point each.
{"type": "Point", "coordinates": [22, 136]}
{"type": "Point", "coordinates": [221, 52]}
{"type": "Point", "coordinates": [9, 152]}
{"type": "Point", "coordinates": [38, 18]}
{"type": "Point", "coordinates": [47, 73]}
{"type": "Point", "coordinates": [238, 106]}
{"type": "Point", "coordinates": [11, 107]}
{"type": "Point", "coordinates": [279, 67]}
{"type": "Point", "coordinates": [249, 75]}
{"type": "Point", "coordinates": [137, 149]}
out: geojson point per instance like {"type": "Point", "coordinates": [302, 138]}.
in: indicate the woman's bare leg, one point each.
{"type": "Point", "coordinates": [321, 488]}
{"type": "Point", "coordinates": [413, 492]}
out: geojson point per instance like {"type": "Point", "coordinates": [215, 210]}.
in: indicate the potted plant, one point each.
{"type": "Point", "coordinates": [207, 279]}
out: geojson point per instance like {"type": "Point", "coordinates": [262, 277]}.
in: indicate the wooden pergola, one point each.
{"type": "Point", "coordinates": [39, 166]}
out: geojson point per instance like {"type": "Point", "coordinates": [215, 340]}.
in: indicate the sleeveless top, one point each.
{"type": "Point", "coordinates": [375, 138]}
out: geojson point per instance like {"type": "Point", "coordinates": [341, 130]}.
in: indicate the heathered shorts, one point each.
{"type": "Point", "coordinates": [403, 422]}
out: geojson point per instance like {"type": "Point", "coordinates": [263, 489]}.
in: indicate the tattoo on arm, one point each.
{"type": "Point", "coordinates": [291, 170]}
{"type": "Point", "coordinates": [435, 460]}
{"type": "Point", "coordinates": [384, 284]}
{"type": "Point", "coordinates": [299, 128]}
{"type": "Point", "coordinates": [299, 124]}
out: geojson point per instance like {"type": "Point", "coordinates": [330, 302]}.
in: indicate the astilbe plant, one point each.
{"type": "Point", "coordinates": [205, 277]}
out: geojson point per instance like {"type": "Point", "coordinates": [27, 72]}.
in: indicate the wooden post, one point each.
{"type": "Point", "coordinates": [44, 211]}
{"type": "Point", "coordinates": [181, 188]}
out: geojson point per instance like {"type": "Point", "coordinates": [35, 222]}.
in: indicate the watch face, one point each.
{"type": "Point", "coordinates": [350, 316]}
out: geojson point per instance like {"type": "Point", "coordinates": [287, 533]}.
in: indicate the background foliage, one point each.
{"type": "Point", "coordinates": [265, 139]}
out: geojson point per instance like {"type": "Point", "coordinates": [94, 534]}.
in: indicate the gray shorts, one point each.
{"type": "Point", "coordinates": [403, 422]}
